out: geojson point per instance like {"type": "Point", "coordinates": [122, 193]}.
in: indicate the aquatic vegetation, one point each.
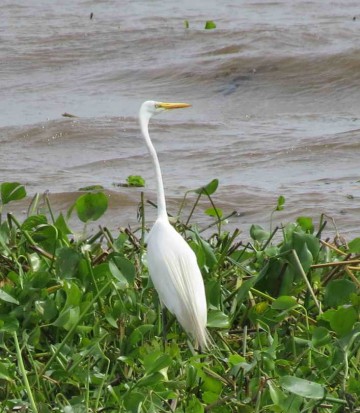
{"type": "Point", "coordinates": [81, 326]}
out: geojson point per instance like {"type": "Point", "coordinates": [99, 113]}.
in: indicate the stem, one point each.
{"type": "Point", "coordinates": [24, 375]}
{"type": "Point", "coordinates": [302, 272]}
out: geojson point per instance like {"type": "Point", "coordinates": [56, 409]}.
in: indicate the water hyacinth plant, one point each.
{"type": "Point", "coordinates": [81, 327]}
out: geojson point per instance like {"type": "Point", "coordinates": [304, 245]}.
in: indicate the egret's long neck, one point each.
{"type": "Point", "coordinates": [161, 203]}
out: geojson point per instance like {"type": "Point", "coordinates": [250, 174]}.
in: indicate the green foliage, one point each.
{"type": "Point", "coordinates": [135, 180]}
{"type": "Point", "coordinates": [209, 25]}
{"type": "Point", "coordinates": [91, 206]}
{"type": "Point", "coordinates": [11, 191]}
{"type": "Point", "coordinates": [81, 326]}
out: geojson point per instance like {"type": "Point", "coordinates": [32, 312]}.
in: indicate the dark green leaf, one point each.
{"type": "Point", "coordinates": [46, 236]}
{"type": "Point", "coordinates": [67, 262]}
{"type": "Point", "coordinates": [338, 292]}
{"type": "Point", "coordinates": [91, 206]}
{"type": "Point", "coordinates": [8, 323]}
{"type": "Point", "coordinates": [320, 337]}
{"type": "Point", "coordinates": [208, 189]}
{"type": "Point", "coordinates": [343, 320]}
{"type": "Point", "coordinates": [92, 188]}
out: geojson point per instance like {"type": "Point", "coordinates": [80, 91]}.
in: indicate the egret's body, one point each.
{"type": "Point", "coordinates": [172, 263]}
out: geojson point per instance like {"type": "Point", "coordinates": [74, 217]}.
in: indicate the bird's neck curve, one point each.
{"type": "Point", "coordinates": [161, 202]}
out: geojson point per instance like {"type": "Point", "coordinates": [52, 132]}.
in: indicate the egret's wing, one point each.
{"type": "Point", "coordinates": [177, 278]}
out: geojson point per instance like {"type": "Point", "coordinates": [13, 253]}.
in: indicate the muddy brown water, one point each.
{"type": "Point", "coordinates": [275, 90]}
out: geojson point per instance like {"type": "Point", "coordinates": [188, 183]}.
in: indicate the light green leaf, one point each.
{"type": "Point", "coordinates": [218, 319]}
{"type": "Point", "coordinates": [257, 233]}
{"type": "Point", "coordinates": [303, 388]}
{"type": "Point", "coordinates": [209, 25]}
{"type": "Point", "coordinates": [214, 212]}
{"type": "Point", "coordinates": [7, 297]}
{"type": "Point", "coordinates": [284, 302]}
{"type": "Point", "coordinates": [354, 245]}
{"type": "Point", "coordinates": [135, 180]}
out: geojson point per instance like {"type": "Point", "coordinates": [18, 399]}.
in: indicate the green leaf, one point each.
{"type": "Point", "coordinates": [284, 302]}
{"type": "Point", "coordinates": [7, 297]}
{"type": "Point", "coordinates": [320, 337]}
{"type": "Point", "coordinates": [67, 262]}
{"type": "Point", "coordinates": [280, 203]}
{"type": "Point", "coordinates": [186, 24]}
{"type": "Point", "coordinates": [306, 224]}
{"type": "Point", "coordinates": [210, 397]}
{"type": "Point", "coordinates": [257, 233]}
{"type": "Point", "coordinates": [8, 323]}
{"type": "Point", "coordinates": [125, 266]}
{"type": "Point", "coordinates": [11, 191]}
{"type": "Point", "coordinates": [33, 221]}
{"type": "Point", "coordinates": [156, 361]}
{"type": "Point", "coordinates": [46, 236]}
{"type": "Point", "coordinates": [218, 319]}
{"type": "Point", "coordinates": [135, 180]}
{"type": "Point", "coordinates": [116, 273]}
{"type": "Point", "coordinates": [62, 225]}
{"type": "Point", "coordinates": [354, 246]}
{"type": "Point", "coordinates": [194, 406]}
{"type": "Point", "coordinates": [4, 373]}
{"type": "Point", "coordinates": [209, 25]}
{"type": "Point", "coordinates": [92, 188]}
{"type": "Point", "coordinates": [91, 206]}
{"type": "Point", "coordinates": [138, 333]}
{"type": "Point", "coordinates": [343, 320]}
{"type": "Point", "coordinates": [68, 318]}
{"type": "Point", "coordinates": [214, 212]}
{"type": "Point", "coordinates": [208, 189]}
{"type": "Point", "coordinates": [338, 292]}
{"type": "Point", "coordinates": [303, 388]}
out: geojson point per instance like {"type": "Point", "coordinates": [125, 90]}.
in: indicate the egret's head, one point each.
{"type": "Point", "coordinates": [151, 108]}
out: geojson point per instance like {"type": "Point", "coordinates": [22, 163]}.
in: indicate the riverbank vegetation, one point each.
{"type": "Point", "coordinates": [81, 327]}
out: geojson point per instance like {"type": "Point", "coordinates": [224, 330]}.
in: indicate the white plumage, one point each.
{"type": "Point", "coordinates": [172, 263]}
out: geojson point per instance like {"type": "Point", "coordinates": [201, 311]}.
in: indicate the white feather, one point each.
{"type": "Point", "coordinates": [177, 278]}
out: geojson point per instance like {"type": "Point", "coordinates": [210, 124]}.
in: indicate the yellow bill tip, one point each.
{"type": "Point", "coordinates": [166, 105]}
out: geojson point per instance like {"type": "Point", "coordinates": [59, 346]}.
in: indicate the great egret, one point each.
{"type": "Point", "coordinates": [172, 263]}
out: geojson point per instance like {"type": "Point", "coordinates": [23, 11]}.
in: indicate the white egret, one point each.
{"type": "Point", "coordinates": [172, 263]}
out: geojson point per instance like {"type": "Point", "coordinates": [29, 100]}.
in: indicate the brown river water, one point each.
{"type": "Point", "coordinates": [275, 90]}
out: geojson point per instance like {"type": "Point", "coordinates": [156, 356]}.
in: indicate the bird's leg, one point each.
{"type": "Point", "coordinates": [164, 329]}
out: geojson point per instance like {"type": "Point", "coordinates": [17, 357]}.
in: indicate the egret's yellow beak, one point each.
{"type": "Point", "coordinates": [173, 105]}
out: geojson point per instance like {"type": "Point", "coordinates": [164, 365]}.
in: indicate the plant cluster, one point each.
{"type": "Point", "coordinates": [81, 327]}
